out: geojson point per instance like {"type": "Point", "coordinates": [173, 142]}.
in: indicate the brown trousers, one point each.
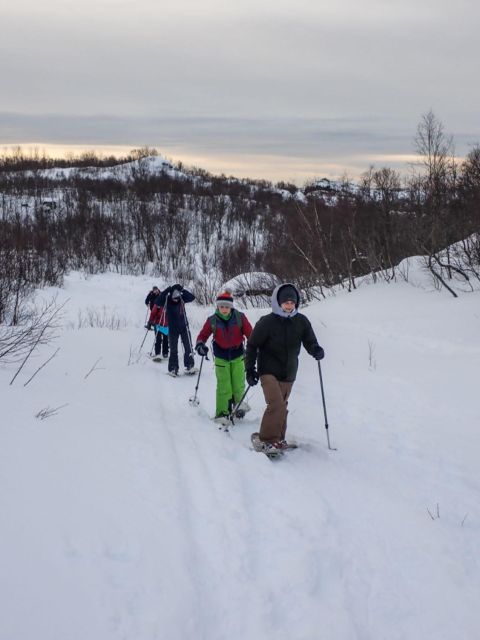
{"type": "Point", "coordinates": [274, 421]}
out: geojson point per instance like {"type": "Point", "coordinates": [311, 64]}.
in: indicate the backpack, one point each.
{"type": "Point", "coordinates": [238, 318]}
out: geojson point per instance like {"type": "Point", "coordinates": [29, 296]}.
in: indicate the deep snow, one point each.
{"type": "Point", "coordinates": [128, 515]}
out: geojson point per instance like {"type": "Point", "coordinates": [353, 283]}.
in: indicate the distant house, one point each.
{"type": "Point", "coordinates": [48, 204]}
{"type": "Point", "coordinates": [324, 185]}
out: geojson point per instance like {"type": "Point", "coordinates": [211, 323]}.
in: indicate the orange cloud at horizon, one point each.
{"type": "Point", "coordinates": [255, 166]}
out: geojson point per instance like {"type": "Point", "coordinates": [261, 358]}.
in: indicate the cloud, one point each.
{"type": "Point", "coordinates": [291, 136]}
{"type": "Point", "coordinates": [274, 148]}
{"type": "Point", "coordinates": [324, 80]}
{"type": "Point", "coordinates": [245, 59]}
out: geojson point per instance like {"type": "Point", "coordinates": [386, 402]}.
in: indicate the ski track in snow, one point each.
{"type": "Point", "coordinates": [129, 515]}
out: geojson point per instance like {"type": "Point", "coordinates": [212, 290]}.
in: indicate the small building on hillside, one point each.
{"type": "Point", "coordinates": [48, 204]}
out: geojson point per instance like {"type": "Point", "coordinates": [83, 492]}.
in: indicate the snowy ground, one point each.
{"type": "Point", "coordinates": [129, 516]}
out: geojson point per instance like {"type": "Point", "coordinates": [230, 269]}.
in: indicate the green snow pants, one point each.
{"type": "Point", "coordinates": [230, 383]}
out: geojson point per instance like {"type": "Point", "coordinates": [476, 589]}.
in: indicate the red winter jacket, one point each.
{"type": "Point", "coordinates": [228, 339]}
{"type": "Point", "coordinates": [158, 316]}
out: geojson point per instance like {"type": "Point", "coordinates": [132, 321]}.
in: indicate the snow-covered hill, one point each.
{"type": "Point", "coordinates": [127, 515]}
{"type": "Point", "coordinates": [149, 165]}
{"type": "Point", "coordinates": [155, 166]}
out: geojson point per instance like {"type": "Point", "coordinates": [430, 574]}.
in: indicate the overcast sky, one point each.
{"type": "Point", "coordinates": [283, 89]}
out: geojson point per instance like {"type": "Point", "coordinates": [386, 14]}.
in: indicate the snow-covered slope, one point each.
{"type": "Point", "coordinates": [149, 165]}
{"type": "Point", "coordinates": [128, 515]}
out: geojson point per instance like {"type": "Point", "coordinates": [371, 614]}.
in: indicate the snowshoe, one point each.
{"type": "Point", "coordinates": [284, 445]}
{"type": "Point", "coordinates": [244, 408]}
{"type": "Point", "coordinates": [191, 371]}
{"type": "Point", "coordinates": [157, 358]}
{"type": "Point", "coordinates": [222, 421]}
{"type": "Point", "coordinates": [173, 373]}
{"type": "Point", "coordinates": [271, 450]}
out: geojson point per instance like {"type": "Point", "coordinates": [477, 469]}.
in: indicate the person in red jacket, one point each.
{"type": "Point", "coordinates": [159, 321]}
{"type": "Point", "coordinates": [229, 328]}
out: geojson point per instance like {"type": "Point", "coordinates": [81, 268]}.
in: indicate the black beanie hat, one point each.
{"type": "Point", "coordinates": [287, 292]}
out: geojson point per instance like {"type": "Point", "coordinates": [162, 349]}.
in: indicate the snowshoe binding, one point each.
{"type": "Point", "coordinates": [271, 450]}
{"type": "Point", "coordinates": [223, 422]}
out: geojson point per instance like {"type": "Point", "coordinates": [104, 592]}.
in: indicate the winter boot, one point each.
{"type": "Point", "coordinates": [222, 420]}
{"type": "Point", "coordinates": [190, 371]}
{"type": "Point", "coordinates": [271, 449]}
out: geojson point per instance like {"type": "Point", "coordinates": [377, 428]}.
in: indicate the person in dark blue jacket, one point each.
{"type": "Point", "coordinates": [173, 299]}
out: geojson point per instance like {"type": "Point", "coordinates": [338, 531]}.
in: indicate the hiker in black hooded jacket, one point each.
{"type": "Point", "coordinates": [272, 356]}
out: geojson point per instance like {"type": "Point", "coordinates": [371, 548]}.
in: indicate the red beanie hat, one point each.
{"type": "Point", "coordinates": [225, 298]}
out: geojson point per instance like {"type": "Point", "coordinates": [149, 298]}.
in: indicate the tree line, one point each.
{"type": "Point", "coordinates": [191, 226]}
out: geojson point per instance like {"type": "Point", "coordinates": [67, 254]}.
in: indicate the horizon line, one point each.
{"type": "Point", "coordinates": [258, 167]}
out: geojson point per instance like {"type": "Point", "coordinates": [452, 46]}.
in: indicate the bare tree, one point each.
{"type": "Point", "coordinates": [39, 327]}
{"type": "Point", "coordinates": [435, 148]}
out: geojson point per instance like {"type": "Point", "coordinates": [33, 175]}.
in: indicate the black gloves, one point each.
{"type": "Point", "coordinates": [252, 377]}
{"type": "Point", "coordinates": [318, 353]}
{"type": "Point", "coordinates": [148, 326]}
{"type": "Point", "coordinates": [201, 348]}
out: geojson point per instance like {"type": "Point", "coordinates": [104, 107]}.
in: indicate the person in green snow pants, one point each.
{"type": "Point", "coordinates": [230, 383]}
{"type": "Point", "coordinates": [229, 328]}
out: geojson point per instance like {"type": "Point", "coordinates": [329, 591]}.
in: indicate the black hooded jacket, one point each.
{"type": "Point", "coordinates": [177, 320]}
{"type": "Point", "coordinates": [276, 341]}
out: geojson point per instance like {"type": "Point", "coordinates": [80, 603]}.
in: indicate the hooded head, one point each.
{"type": "Point", "coordinates": [176, 294]}
{"type": "Point", "coordinates": [283, 293]}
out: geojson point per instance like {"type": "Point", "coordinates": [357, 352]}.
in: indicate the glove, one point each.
{"type": "Point", "coordinates": [318, 353]}
{"type": "Point", "coordinates": [252, 377]}
{"type": "Point", "coordinates": [201, 348]}
{"type": "Point", "coordinates": [148, 326]}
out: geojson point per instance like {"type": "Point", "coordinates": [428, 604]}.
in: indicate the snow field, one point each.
{"type": "Point", "coordinates": [129, 515]}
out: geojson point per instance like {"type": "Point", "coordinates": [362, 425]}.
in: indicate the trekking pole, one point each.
{"type": "Point", "coordinates": [195, 401]}
{"type": "Point", "coordinates": [154, 342]}
{"type": "Point", "coordinates": [143, 341]}
{"type": "Point", "coordinates": [324, 406]}
{"type": "Point", "coordinates": [234, 410]}
{"type": "Point", "coordinates": [188, 327]}
{"type": "Point", "coordinates": [164, 323]}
